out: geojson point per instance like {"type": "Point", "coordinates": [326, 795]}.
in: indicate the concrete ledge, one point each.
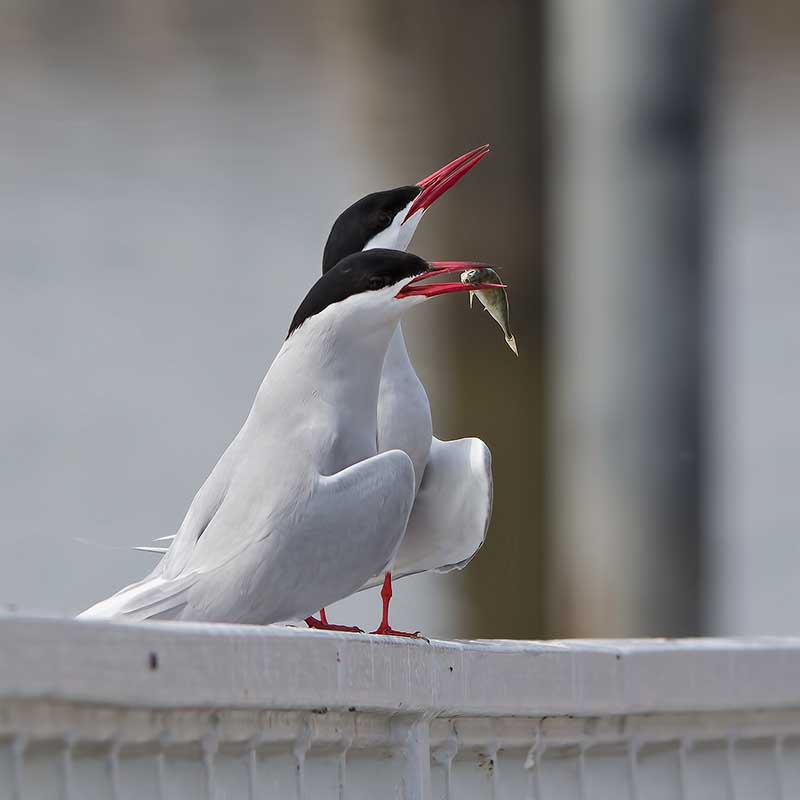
{"type": "Point", "coordinates": [173, 666]}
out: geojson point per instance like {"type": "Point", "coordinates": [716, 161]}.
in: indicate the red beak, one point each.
{"type": "Point", "coordinates": [435, 185]}
{"type": "Point", "coordinates": [413, 289]}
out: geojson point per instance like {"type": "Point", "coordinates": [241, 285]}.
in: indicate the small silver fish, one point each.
{"type": "Point", "coordinates": [495, 301]}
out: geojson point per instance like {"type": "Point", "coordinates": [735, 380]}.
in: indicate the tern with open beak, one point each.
{"type": "Point", "coordinates": [453, 504]}
{"type": "Point", "coordinates": [453, 480]}
{"type": "Point", "coordinates": [301, 509]}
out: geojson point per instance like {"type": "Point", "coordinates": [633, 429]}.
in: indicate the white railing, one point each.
{"type": "Point", "coordinates": [92, 710]}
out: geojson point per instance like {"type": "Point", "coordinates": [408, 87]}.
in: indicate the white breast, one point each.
{"type": "Point", "coordinates": [404, 413]}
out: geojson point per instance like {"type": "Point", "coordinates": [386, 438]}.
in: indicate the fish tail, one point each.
{"type": "Point", "coordinates": [471, 298]}
{"type": "Point", "coordinates": [511, 342]}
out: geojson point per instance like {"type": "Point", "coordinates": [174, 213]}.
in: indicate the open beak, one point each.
{"type": "Point", "coordinates": [414, 289]}
{"type": "Point", "coordinates": [435, 185]}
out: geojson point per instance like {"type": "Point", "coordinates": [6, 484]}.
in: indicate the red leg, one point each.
{"type": "Point", "coordinates": [385, 629]}
{"type": "Point", "coordinates": [322, 624]}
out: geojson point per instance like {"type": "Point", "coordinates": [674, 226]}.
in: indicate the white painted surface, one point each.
{"type": "Point", "coordinates": [102, 710]}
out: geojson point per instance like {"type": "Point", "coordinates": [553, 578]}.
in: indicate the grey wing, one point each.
{"type": "Point", "coordinates": [202, 511]}
{"type": "Point", "coordinates": [451, 513]}
{"type": "Point", "coordinates": [356, 523]}
{"type": "Point", "coordinates": [163, 591]}
{"type": "Point", "coordinates": [163, 594]}
{"type": "Point", "coordinates": [312, 547]}
{"type": "Point", "coordinates": [253, 565]}
{"type": "Point", "coordinates": [154, 597]}
{"type": "Point", "coordinates": [204, 506]}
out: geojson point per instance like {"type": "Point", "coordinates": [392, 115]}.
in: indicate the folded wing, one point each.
{"type": "Point", "coordinates": [259, 562]}
{"type": "Point", "coordinates": [451, 512]}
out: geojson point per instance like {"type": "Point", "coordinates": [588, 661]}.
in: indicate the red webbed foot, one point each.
{"type": "Point", "coordinates": [388, 630]}
{"type": "Point", "coordinates": [385, 629]}
{"type": "Point", "coordinates": [322, 624]}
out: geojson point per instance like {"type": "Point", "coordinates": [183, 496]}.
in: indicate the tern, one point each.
{"type": "Point", "coordinates": [301, 509]}
{"type": "Point", "coordinates": [453, 480]}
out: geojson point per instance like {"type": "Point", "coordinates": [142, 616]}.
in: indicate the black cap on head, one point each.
{"type": "Point", "coordinates": [357, 273]}
{"type": "Point", "coordinates": [362, 221]}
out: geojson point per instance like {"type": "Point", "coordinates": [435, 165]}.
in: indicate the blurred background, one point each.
{"type": "Point", "coordinates": [169, 170]}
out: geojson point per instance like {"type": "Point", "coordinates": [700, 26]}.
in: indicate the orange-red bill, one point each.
{"type": "Point", "coordinates": [415, 289]}
{"type": "Point", "coordinates": [436, 184]}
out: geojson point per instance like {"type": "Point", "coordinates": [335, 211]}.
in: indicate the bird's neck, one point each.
{"type": "Point", "coordinates": [351, 367]}
{"type": "Point", "coordinates": [339, 365]}
{"type": "Point", "coordinates": [397, 358]}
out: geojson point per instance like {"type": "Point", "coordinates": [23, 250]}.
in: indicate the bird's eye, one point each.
{"type": "Point", "coordinates": [384, 219]}
{"type": "Point", "coordinates": [377, 282]}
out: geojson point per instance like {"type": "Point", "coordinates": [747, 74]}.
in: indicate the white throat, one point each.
{"type": "Point", "coordinates": [324, 383]}
{"type": "Point", "coordinates": [339, 352]}
{"type": "Point", "coordinates": [398, 235]}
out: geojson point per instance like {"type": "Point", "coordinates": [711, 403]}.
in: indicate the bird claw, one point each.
{"type": "Point", "coordinates": [318, 625]}
{"type": "Point", "coordinates": [387, 630]}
